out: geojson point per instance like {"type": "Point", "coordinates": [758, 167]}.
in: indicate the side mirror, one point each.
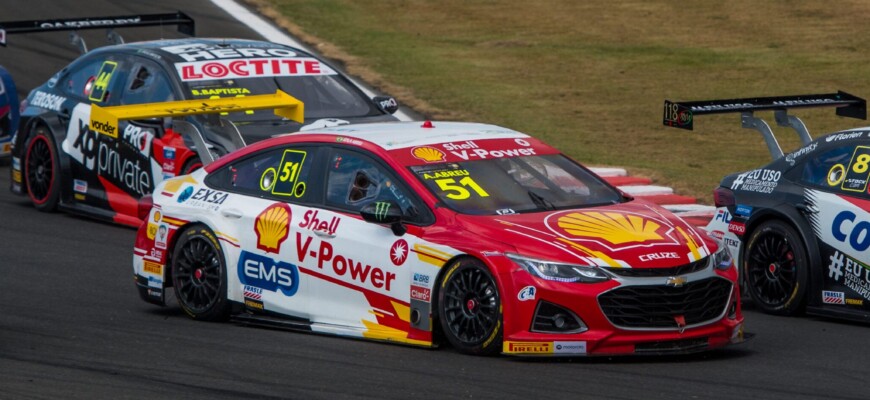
{"type": "Point", "coordinates": [387, 104]}
{"type": "Point", "coordinates": [386, 213]}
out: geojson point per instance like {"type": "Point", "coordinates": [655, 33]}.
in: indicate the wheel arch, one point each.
{"type": "Point", "coordinates": [58, 134]}
{"type": "Point", "coordinates": [798, 222]}
{"type": "Point", "coordinates": [437, 333]}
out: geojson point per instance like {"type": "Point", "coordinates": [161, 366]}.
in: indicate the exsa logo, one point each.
{"type": "Point", "coordinates": [265, 273]}
{"type": "Point", "coordinates": [858, 234]}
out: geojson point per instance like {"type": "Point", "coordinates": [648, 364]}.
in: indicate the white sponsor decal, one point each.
{"type": "Point", "coordinates": [140, 138]}
{"type": "Point", "coordinates": [852, 273]}
{"type": "Point", "coordinates": [249, 68]}
{"type": "Point", "coordinates": [47, 101]}
{"type": "Point", "coordinates": [90, 22]}
{"type": "Point", "coordinates": [162, 234]}
{"type": "Point", "coordinates": [204, 51]}
{"type": "Point", "coordinates": [569, 347]}
{"type": "Point", "coordinates": [843, 136]}
{"type": "Point", "coordinates": [830, 297]}
{"type": "Point", "coordinates": [759, 180]}
{"type": "Point", "coordinates": [80, 186]}
{"type": "Point", "coordinates": [802, 151]}
{"type": "Point", "coordinates": [527, 293]}
{"type": "Point", "coordinates": [659, 256]}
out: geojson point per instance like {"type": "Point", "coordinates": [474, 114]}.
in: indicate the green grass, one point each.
{"type": "Point", "coordinates": [590, 77]}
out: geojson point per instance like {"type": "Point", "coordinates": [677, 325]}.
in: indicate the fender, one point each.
{"type": "Point", "coordinates": [794, 218]}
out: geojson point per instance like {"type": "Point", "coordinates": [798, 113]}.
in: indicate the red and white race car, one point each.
{"type": "Point", "coordinates": [392, 231]}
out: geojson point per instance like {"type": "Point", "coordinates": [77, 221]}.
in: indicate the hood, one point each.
{"type": "Point", "coordinates": [635, 234]}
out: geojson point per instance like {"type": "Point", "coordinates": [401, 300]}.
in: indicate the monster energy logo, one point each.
{"type": "Point", "coordinates": [381, 210]}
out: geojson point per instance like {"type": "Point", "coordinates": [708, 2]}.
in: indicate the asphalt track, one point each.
{"type": "Point", "coordinates": [72, 325]}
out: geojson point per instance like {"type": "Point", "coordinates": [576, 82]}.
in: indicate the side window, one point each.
{"type": "Point", "coordinates": [80, 80]}
{"type": "Point", "coordinates": [95, 80]}
{"type": "Point", "coordinates": [283, 174]}
{"type": "Point", "coordinates": [354, 180]}
{"type": "Point", "coordinates": [147, 84]}
{"type": "Point", "coordinates": [845, 169]}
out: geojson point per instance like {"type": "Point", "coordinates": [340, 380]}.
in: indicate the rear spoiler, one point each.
{"type": "Point", "coordinates": [183, 21]}
{"type": "Point", "coordinates": [104, 120]}
{"type": "Point", "coordinates": [682, 114]}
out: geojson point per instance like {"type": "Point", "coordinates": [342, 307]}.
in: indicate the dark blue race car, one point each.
{"type": "Point", "coordinates": [60, 161]}
{"type": "Point", "coordinates": [799, 225]}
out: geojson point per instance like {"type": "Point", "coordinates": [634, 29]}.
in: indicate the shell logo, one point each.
{"type": "Point", "coordinates": [616, 228]}
{"type": "Point", "coordinates": [272, 227]}
{"type": "Point", "coordinates": [428, 154]}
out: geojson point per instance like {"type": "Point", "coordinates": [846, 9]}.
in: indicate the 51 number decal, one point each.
{"type": "Point", "coordinates": [285, 181]}
{"type": "Point", "coordinates": [459, 191]}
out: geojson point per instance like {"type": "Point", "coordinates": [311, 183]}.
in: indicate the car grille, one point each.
{"type": "Point", "coordinates": [654, 272]}
{"type": "Point", "coordinates": [659, 306]}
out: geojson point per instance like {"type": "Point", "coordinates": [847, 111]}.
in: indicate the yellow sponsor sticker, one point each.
{"type": "Point", "coordinates": [528, 347]}
{"type": "Point", "coordinates": [153, 267]}
{"type": "Point", "coordinates": [16, 176]}
{"type": "Point", "coordinates": [152, 231]}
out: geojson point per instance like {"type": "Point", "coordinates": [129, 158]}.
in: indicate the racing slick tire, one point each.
{"type": "Point", "coordinates": [199, 275]}
{"type": "Point", "coordinates": [776, 268]}
{"type": "Point", "coordinates": [469, 308]}
{"type": "Point", "coordinates": [42, 170]}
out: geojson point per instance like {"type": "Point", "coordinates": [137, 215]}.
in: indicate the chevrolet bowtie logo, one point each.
{"type": "Point", "coordinates": [676, 281]}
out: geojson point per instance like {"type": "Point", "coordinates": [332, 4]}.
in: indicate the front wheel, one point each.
{"type": "Point", "coordinates": [41, 171]}
{"type": "Point", "coordinates": [469, 308]}
{"type": "Point", "coordinates": [776, 268]}
{"type": "Point", "coordinates": [199, 275]}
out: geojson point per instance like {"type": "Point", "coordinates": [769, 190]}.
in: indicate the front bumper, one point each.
{"type": "Point", "coordinates": [662, 320]}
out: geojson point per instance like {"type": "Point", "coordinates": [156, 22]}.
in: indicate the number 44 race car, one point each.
{"type": "Point", "coordinates": [394, 231]}
{"type": "Point", "coordinates": [800, 225]}
{"type": "Point", "coordinates": [60, 161]}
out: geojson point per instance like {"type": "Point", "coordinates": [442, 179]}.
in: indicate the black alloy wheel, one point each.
{"type": "Point", "coordinates": [776, 268]}
{"type": "Point", "coordinates": [199, 275]}
{"type": "Point", "coordinates": [469, 308]}
{"type": "Point", "coordinates": [41, 174]}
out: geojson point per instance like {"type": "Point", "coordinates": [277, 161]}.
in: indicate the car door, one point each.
{"type": "Point", "coordinates": [100, 177]}
{"type": "Point", "coordinates": [279, 184]}
{"type": "Point", "coordinates": [362, 270]}
{"type": "Point", "coordinates": [837, 181]}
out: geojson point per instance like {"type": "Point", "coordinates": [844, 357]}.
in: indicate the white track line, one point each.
{"type": "Point", "coordinates": [269, 32]}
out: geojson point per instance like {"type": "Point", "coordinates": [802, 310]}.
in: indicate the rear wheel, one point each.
{"type": "Point", "coordinates": [41, 172]}
{"type": "Point", "coordinates": [776, 268]}
{"type": "Point", "coordinates": [469, 308]}
{"type": "Point", "coordinates": [199, 275]}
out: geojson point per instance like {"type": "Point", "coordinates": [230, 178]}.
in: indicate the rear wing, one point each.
{"type": "Point", "coordinates": [183, 21]}
{"type": "Point", "coordinates": [682, 114]}
{"type": "Point", "coordinates": [104, 120]}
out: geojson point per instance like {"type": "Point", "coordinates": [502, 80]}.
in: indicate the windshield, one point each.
{"type": "Point", "coordinates": [324, 96]}
{"type": "Point", "coordinates": [515, 185]}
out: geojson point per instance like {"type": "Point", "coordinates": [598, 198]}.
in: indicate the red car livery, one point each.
{"type": "Point", "coordinates": [394, 231]}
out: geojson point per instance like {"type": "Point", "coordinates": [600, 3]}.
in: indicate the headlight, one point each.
{"type": "Point", "coordinates": [722, 258]}
{"type": "Point", "coordinates": [560, 272]}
